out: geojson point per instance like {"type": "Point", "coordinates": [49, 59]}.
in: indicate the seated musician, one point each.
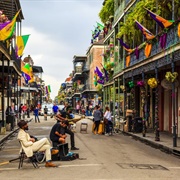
{"type": "Point", "coordinates": [60, 118]}
{"type": "Point", "coordinates": [57, 134]}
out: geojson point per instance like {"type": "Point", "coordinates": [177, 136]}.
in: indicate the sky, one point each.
{"type": "Point", "coordinates": [59, 29]}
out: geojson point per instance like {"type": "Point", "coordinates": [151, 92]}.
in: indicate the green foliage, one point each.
{"type": "Point", "coordinates": [128, 28]}
{"type": "Point", "coordinates": [107, 11]}
{"type": "Point", "coordinates": [138, 13]}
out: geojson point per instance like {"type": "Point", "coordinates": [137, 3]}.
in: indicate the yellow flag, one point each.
{"type": "Point", "coordinates": [8, 30]}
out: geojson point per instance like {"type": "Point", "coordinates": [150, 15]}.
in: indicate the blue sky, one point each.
{"type": "Point", "coordinates": [59, 29]}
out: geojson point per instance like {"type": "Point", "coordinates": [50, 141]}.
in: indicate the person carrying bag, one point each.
{"type": "Point", "coordinates": [97, 118]}
{"type": "Point", "coordinates": [107, 120]}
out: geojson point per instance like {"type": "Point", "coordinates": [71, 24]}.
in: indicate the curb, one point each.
{"type": "Point", "coordinates": [7, 136]}
{"type": "Point", "coordinates": [155, 145]}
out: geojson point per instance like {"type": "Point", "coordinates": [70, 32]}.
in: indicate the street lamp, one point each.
{"type": "Point", "coordinates": [173, 107]}
{"type": "Point", "coordinates": [28, 109]}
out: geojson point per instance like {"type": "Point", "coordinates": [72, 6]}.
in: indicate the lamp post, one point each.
{"type": "Point", "coordinates": [143, 92]}
{"type": "Point", "coordinates": [28, 109]}
{"type": "Point", "coordinates": [174, 106]}
{"type": "Point", "coordinates": [157, 134]}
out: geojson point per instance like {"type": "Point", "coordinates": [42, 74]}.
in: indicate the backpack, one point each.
{"type": "Point", "coordinates": [70, 156]}
{"type": "Point", "coordinates": [64, 154]}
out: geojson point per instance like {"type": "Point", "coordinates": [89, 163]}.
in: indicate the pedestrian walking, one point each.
{"type": "Point", "coordinates": [10, 116]}
{"type": "Point", "coordinates": [78, 107]}
{"type": "Point", "coordinates": [55, 109]}
{"type": "Point", "coordinates": [107, 120]}
{"type": "Point", "coordinates": [45, 113]}
{"type": "Point", "coordinates": [36, 114]}
{"type": "Point", "coordinates": [20, 111]}
{"type": "Point", "coordinates": [97, 118]}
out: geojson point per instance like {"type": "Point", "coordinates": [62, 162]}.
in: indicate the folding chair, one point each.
{"type": "Point", "coordinates": [32, 159]}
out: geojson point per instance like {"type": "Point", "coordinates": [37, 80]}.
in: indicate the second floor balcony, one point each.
{"type": "Point", "coordinates": [171, 41]}
{"type": "Point", "coordinates": [89, 88]}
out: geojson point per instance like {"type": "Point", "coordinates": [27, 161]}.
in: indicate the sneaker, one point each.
{"type": "Point", "coordinates": [74, 148]}
{"type": "Point", "coordinates": [54, 151]}
{"type": "Point", "coordinates": [50, 164]}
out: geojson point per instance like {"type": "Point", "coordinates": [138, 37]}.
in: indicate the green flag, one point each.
{"type": "Point", "coordinates": [100, 26]}
{"type": "Point", "coordinates": [49, 88]}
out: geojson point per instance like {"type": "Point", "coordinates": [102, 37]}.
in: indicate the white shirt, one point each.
{"type": "Point", "coordinates": [107, 115]}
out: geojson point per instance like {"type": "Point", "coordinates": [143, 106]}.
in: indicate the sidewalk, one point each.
{"type": "Point", "coordinates": [165, 143]}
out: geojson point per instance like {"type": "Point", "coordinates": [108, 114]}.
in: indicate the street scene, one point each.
{"type": "Point", "coordinates": [100, 157]}
{"type": "Point", "coordinates": [90, 89]}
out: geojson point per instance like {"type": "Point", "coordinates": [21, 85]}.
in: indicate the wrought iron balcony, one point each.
{"type": "Point", "coordinates": [119, 11]}
{"type": "Point", "coordinates": [118, 67]}
{"type": "Point", "coordinates": [172, 39]}
{"type": "Point", "coordinates": [88, 87]}
{"type": "Point", "coordinates": [127, 2]}
{"type": "Point", "coordinates": [86, 68]}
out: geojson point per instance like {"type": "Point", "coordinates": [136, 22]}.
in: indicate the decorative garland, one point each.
{"type": "Point", "coordinates": [152, 82]}
{"type": "Point", "coordinates": [140, 83]}
{"type": "Point", "coordinates": [122, 87]}
{"type": "Point", "coordinates": [143, 97]}
{"type": "Point", "coordinates": [171, 77]}
{"type": "Point", "coordinates": [133, 99]}
{"type": "Point", "coordinates": [131, 84]}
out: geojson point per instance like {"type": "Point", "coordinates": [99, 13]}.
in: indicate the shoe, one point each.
{"type": "Point", "coordinates": [54, 151]}
{"type": "Point", "coordinates": [50, 164]}
{"type": "Point", "coordinates": [74, 148]}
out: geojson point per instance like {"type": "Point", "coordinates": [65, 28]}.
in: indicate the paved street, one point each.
{"type": "Point", "coordinates": [101, 157]}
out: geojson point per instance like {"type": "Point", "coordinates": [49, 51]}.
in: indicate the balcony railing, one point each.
{"type": "Point", "coordinates": [11, 51]}
{"type": "Point", "coordinates": [88, 87]}
{"type": "Point", "coordinates": [119, 11]}
{"type": "Point", "coordinates": [172, 39]}
{"type": "Point", "coordinates": [69, 85]}
{"type": "Point", "coordinates": [86, 68]}
{"type": "Point", "coordinates": [127, 2]}
{"type": "Point", "coordinates": [118, 67]}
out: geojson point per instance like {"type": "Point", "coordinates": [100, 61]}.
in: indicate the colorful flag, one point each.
{"type": "Point", "coordinates": [26, 77]}
{"type": "Point", "coordinates": [7, 31]}
{"type": "Point", "coordinates": [100, 81]}
{"type": "Point", "coordinates": [145, 31]}
{"type": "Point", "coordinates": [126, 47]}
{"type": "Point", "coordinates": [98, 72]}
{"type": "Point", "coordinates": [100, 26]}
{"type": "Point", "coordinates": [106, 74]}
{"type": "Point", "coordinates": [49, 88]}
{"type": "Point", "coordinates": [2, 25]}
{"type": "Point", "coordinates": [161, 21]}
{"type": "Point", "coordinates": [31, 75]}
{"type": "Point", "coordinates": [46, 89]}
{"type": "Point", "coordinates": [21, 43]}
{"type": "Point", "coordinates": [26, 69]}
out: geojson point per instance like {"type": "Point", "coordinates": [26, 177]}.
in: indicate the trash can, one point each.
{"type": "Point", "coordinates": [137, 124]}
{"type": "Point", "coordinates": [10, 120]}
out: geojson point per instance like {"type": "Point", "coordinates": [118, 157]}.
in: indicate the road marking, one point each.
{"type": "Point", "coordinates": [80, 165]}
{"type": "Point", "coordinates": [174, 167]}
{"type": "Point", "coordinates": [61, 166]}
{"type": "Point", "coordinates": [7, 169]}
